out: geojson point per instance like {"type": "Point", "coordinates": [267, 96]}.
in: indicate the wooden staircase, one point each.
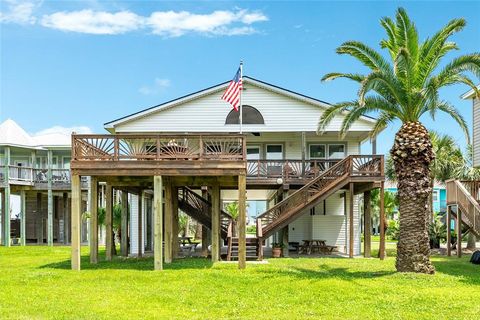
{"type": "Point", "coordinates": [200, 209]}
{"type": "Point", "coordinates": [252, 246]}
{"type": "Point", "coordinates": [465, 195]}
{"type": "Point", "coordinates": [352, 168]}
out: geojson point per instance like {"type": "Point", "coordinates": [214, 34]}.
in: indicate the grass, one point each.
{"type": "Point", "coordinates": [36, 283]}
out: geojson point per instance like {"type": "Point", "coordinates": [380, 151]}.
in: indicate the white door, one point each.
{"type": "Point", "coordinates": [253, 167]}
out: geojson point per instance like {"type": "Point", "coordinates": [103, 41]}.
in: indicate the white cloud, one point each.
{"type": "Point", "coordinates": [93, 22]}
{"type": "Point", "coordinates": [158, 86]}
{"type": "Point", "coordinates": [20, 12]}
{"type": "Point", "coordinates": [164, 23]}
{"type": "Point", "coordinates": [174, 24]}
{"type": "Point", "coordinates": [64, 130]}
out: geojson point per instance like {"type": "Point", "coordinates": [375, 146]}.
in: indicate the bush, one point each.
{"type": "Point", "coordinates": [252, 229]}
{"type": "Point", "coordinates": [393, 229]}
{"type": "Point", "coordinates": [437, 231]}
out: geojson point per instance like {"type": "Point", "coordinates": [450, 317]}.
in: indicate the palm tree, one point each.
{"type": "Point", "coordinates": [448, 163]}
{"type": "Point", "coordinates": [405, 87]}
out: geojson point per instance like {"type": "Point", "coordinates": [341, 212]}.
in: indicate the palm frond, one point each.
{"type": "Point", "coordinates": [368, 56]}
{"type": "Point", "coordinates": [455, 114]}
{"type": "Point", "coordinates": [335, 75]}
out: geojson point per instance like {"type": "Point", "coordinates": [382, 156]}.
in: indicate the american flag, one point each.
{"type": "Point", "coordinates": [232, 94]}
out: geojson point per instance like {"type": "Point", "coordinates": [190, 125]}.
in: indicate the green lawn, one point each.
{"type": "Point", "coordinates": [36, 283]}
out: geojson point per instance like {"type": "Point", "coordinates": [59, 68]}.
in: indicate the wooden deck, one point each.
{"type": "Point", "coordinates": [149, 155]}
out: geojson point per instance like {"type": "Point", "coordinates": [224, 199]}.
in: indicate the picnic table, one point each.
{"type": "Point", "coordinates": [187, 246]}
{"type": "Point", "coordinates": [312, 245]}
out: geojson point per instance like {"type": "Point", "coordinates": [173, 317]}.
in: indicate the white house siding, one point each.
{"type": "Point", "coordinates": [292, 143]}
{"type": "Point", "coordinates": [208, 113]}
{"type": "Point", "coordinates": [329, 225]}
{"type": "Point", "coordinates": [301, 228]}
{"type": "Point", "coordinates": [133, 204]}
{"type": "Point", "coordinates": [476, 132]}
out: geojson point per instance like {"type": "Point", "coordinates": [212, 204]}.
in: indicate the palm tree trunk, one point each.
{"type": "Point", "coordinates": [412, 154]}
{"type": "Point", "coordinates": [471, 241]}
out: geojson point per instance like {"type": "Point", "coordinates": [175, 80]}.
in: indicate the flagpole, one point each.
{"type": "Point", "coordinates": [241, 91]}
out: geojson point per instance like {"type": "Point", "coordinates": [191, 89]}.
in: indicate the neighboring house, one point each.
{"type": "Point", "coordinates": [439, 196]}
{"type": "Point", "coordinates": [470, 95]}
{"type": "Point", "coordinates": [283, 152]}
{"type": "Point", "coordinates": [37, 170]}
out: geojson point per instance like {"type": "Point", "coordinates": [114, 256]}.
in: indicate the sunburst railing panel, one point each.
{"type": "Point", "coordinates": [157, 147]}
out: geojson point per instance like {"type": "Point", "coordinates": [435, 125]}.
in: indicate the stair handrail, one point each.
{"type": "Point", "coordinates": [466, 202]}
{"type": "Point", "coordinates": [225, 217]}
{"type": "Point", "coordinates": [299, 197]}
{"type": "Point", "coordinates": [349, 166]}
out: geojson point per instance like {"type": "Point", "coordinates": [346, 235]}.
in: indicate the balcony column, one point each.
{"type": "Point", "coordinates": [351, 238]}
{"type": "Point", "coordinates": [367, 223]}
{"type": "Point", "coordinates": [216, 231]}
{"type": "Point", "coordinates": [242, 221]}
{"type": "Point", "coordinates": [76, 221]}
{"type": "Point", "coordinates": [109, 243]}
{"type": "Point", "coordinates": [6, 200]}
{"type": "Point", "coordinates": [158, 222]}
{"type": "Point", "coordinates": [23, 218]}
{"type": "Point", "coordinates": [175, 244]}
{"type": "Point", "coordinates": [124, 223]}
{"type": "Point", "coordinates": [374, 145]}
{"type": "Point", "coordinates": [206, 233]}
{"type": "Point", "coordinates": [285, 231]}
{"type": "Point", "coordinates": [66, 219]}
{"type": "Point", "coordinates": [304, 151]}
{"type": "Point", "coordinates": [93, 220]}
{"type": "Point", "coordinates": [141, 243]}
{"type": "Point", "coordinates": [168, 221]}
{"type": "Point", "coordinates": [50, 199]}
{"type": "Point", "coordinates": [39, 219]}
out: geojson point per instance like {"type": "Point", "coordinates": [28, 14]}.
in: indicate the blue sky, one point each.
{"type": "Point", "coordinates": [85, 63]}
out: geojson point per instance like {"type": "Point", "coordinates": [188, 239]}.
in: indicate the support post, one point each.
{"type": "Point", "coordinates": [93, 220]}
{"type": "Point", "coordinates": [158, 222]}
{"type": "Point", "coordinates": [449, 230]}
{"type": "Point", "coordinates": [141, 196]}
{"type": "Point", "coordinates": [284, 232]}
{"type": "Point", "coordinates": [205, 231]}
{"type": "Point", "coordinates": [109, 222]}
{"type": "Point", "coordinates": [6, 198]}
{"type": "Point", "coordinates": [124, 223]}
{"type": "Point", "coordinates": [350, 221]}
{"type": "Point", "coordinates": [66, 217]}
{"type": "Point", "coordinates": [75, 221]}
{"type": "Point", "coordinates": [175, 243]}
{"type": "Point", "coordinates": [459, 232]}
{"type": "Point", "coordinates": [49, 199]}
{"type": "Point", "coordinates": [242, 221]}
{"type": "Point", "coordinates": [39, 219]}
{"type": "Point", "coordinates": [168, 221]}
{"type": "Point", "coordinates": [367, 223]}
{"type": "Point", "coordinates": [216, 223]}
{"type": "Point", "coordinates": [23, 218]}
{"type": "Point", "coordinates": [382, 221]}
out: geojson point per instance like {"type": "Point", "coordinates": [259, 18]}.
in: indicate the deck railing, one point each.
{"type": "Point", "coordinates": [144, 147]}
{"type": "Point", "coordinates": [352, 166]}
{"type": "Point", "coordinates": [36, 176]}
{"type": "Point", "coordinates": [20, 173]}
{"type": "Point", "coordinates": [288, 169]}
{"type": "Point", "coordinates": [465, 195]}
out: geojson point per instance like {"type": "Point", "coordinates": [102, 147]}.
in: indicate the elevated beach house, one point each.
{"type": "Point", "coordinates": [35, 171]}
{"type": "Point", "coordinates": [188, 154]}
{"type": "Point", "coordinates": [463, 197]}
